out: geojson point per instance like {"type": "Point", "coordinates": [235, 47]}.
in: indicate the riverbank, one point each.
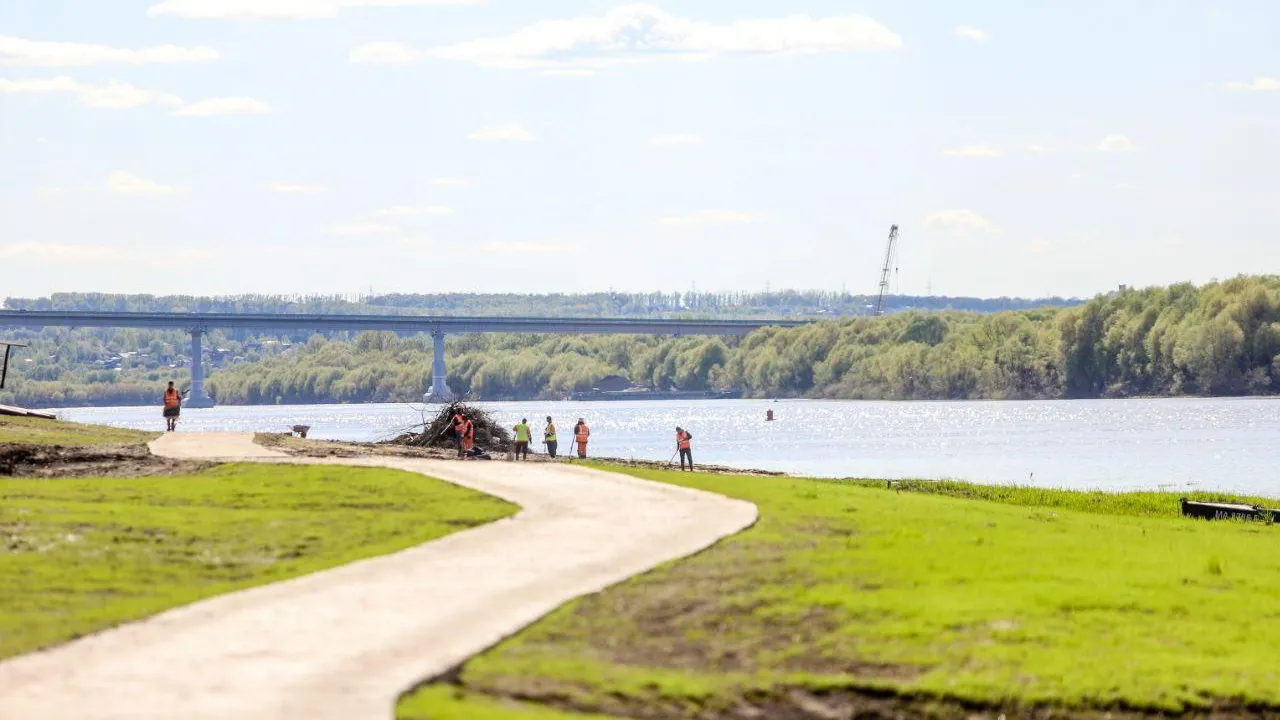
{"type": "Point", "coordinates": [906, 599]}
{"type": "Point", "coordinates": [911, 600]}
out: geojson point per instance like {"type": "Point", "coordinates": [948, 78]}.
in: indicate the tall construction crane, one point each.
{"type": "Point", "coordinates": [890, 255]}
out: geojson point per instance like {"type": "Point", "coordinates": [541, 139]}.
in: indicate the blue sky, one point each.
{"type": "Point", "coordinates": [333, 146]}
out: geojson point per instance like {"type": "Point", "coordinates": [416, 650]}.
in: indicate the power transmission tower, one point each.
{"type": "Point", "coordinates": [889, 255]}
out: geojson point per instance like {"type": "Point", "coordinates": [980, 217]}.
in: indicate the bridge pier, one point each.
{"type": "Point", "coordinates": [197, 397]}
{"type": "Point", "coordinates": [439, 390]}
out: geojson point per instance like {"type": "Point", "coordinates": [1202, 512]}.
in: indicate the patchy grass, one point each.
{"type": "Point", "coordinates": [1138, 504]}
{"type": "Point", "coordinates": [850, 598]}
{"type": "Point", "coordinates": [78, 556]}
{"type": "Point", "coordinates": [439, 702]}
{"type": "Point", "coordinates": [34, 431]}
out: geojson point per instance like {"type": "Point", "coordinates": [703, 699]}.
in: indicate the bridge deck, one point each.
{"type": "Point", "coordinates": [400, 323]}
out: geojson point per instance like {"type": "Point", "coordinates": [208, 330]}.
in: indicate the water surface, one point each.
{"type": "Point", "coordinates": [1219, 444]}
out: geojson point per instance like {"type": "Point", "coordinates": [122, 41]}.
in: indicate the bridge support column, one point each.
{"type": "Point", "coordinates": [197, 397]}
{"type": "Point", "coordinates": [439, 390]}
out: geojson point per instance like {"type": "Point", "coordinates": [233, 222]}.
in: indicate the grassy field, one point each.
{"type": "Point", "coordinates": [77, 556]}
{"type": "Point", "coordinates": [942, 602]}
{"type": "Point", "coordinates": [22, 430]}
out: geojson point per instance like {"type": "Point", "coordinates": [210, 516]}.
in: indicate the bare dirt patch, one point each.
{"type": "Point", "coordinates": [853, 703]}
{"type": "Point", "coordinates": [20, 460]}
{"type": "Point", "coordinates": [333, 448]}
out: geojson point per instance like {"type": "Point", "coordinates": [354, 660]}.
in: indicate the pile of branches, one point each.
{"type": "Point", "coordinates": [438, 432]}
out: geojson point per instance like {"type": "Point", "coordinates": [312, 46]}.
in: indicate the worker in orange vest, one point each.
{"type": "Point", "coordinates": [683, 438]}
{"type": "Point", "coordinates": [581, 433]}
{"type": "Point", "coordinates": [468, 436]}
{"type": "Point", "coordinates": [459, 427]}
{"type": "Point", "coordinates": [172, 407]}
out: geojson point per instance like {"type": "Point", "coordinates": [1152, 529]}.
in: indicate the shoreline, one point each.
{"type": "Point", "coordinates": [612, 402]}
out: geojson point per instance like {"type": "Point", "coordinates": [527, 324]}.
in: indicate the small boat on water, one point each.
{"type": "Point", "coordinates": [1227, 511]}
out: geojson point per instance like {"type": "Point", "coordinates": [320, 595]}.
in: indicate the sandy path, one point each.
{"type": "Point", "coordinates": [344, 643]}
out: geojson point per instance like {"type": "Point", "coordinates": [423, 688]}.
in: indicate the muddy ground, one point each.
{"type": "Point", "coordinates": [330, 448]}
{"type": "Point", "coordinates": [55, 461]}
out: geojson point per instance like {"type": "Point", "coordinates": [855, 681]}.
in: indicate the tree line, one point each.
{"type": "Point", "coordinates": [1219, 339]}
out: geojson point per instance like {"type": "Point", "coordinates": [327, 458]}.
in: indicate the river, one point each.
{"type": "Point", "coordinates": [1169, 444]}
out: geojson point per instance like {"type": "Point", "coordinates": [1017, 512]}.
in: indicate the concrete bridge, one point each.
{"type": "Point", "coordinates": [198, 324]}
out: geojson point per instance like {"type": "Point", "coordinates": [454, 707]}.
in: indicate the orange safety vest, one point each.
{"type": "Point", "coordinates": [469, 430]}
{"type": "Point", "coordinates": [171, 398]}
{"type": "Point", "coordinates": [682, 437]}
{"type": "Point", "coordinates": [583, 432]}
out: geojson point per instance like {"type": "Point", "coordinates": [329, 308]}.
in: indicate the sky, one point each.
{"type": "Point", "coordinates": [349, 146]}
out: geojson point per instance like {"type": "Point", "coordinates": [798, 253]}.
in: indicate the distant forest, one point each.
{"type": "Point", "coordinates": [782, 303]}
{"type": "Point", "coordinates": [1218, 339]}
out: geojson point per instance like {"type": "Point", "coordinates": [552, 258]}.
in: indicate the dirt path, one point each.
{"type": "Point", "coordinates": [346, 642]}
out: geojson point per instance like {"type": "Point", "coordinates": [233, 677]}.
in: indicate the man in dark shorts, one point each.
{"type": "Point", "coordinates": [172, 407]}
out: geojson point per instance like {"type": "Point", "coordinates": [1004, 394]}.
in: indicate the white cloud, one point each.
{"type": "Point", "coordinates": [56, 252]}
{"type": "Point", "coordinates": [1116, 143]}
{"type": "Point", "coordinates": [113, 95]}
{"type": "Point", "coordinates": [674, 140]}
{"type": "Point", "coordinates": [408, 211]}
{"type": "Point", "coordinates": [123, 183]}
{"type": "Point", "coordinates": [971, 33]}
{"type": "Point", "coordinates": [1258, 84]}
{"type": "Point", "coordinates": [279, 9]}
{"type": "Point", "coordinates": [1037, 149]}
{"type": "Point", "coordinates": [973, 151]}
{"type": "Point", "coordinates": [707, 217]}
{"type": "Point", "coordinates": [641, 32]}
{"type": "Point", "coordinates": [527, 248]}
{"type": "Point", "coordinates": [363, 229]}
{"type": "Point", "coordinates": [961, 221]}
{"type": "Point", "coordinates": [451, 182]}
{"type": "Point", "coordinates": [509, 131]}
{"type": "Point", "coordinates": [37, 53]}
{"type": "Point", "coordinates": [225, 106]}
{"type": "Point", "coordinates": [120, 95]}
{"type": "Point", "coordinates": [295, 188]}
{"type": "Point", "coordinates": [385, 53]}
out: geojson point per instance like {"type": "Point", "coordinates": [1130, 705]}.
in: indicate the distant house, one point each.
{"type": "Point", "coordinates": [613, 383]}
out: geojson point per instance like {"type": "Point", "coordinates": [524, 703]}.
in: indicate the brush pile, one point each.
{"type": "Point", "coordinates": [438, 432]}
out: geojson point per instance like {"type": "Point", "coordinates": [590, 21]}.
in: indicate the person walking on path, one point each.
{"type": "Point", "coordinates": [172, 407]}
{"type": "Point", "coordinates": [522, 439]}
{"type": "Point", "coordinates": [582, 433]}
{"type": "Point", "coordinates": [683, 444]}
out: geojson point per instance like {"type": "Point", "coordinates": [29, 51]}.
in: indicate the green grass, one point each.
{"type": "Point", "coordinates": [35, 431]}
{"type": "Point", "coordinates": [848, 593]}
{"type": "Point", "coordinates": [78, 556]}
{"type": "Point", "coordinates": [1138, 504]}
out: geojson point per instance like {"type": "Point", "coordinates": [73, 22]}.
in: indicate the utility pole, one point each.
{"type": "Point", "coordinates": [889, 256]}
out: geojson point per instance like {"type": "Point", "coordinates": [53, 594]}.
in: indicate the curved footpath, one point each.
{"type": "Point", "coordinates": [344, 643]}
